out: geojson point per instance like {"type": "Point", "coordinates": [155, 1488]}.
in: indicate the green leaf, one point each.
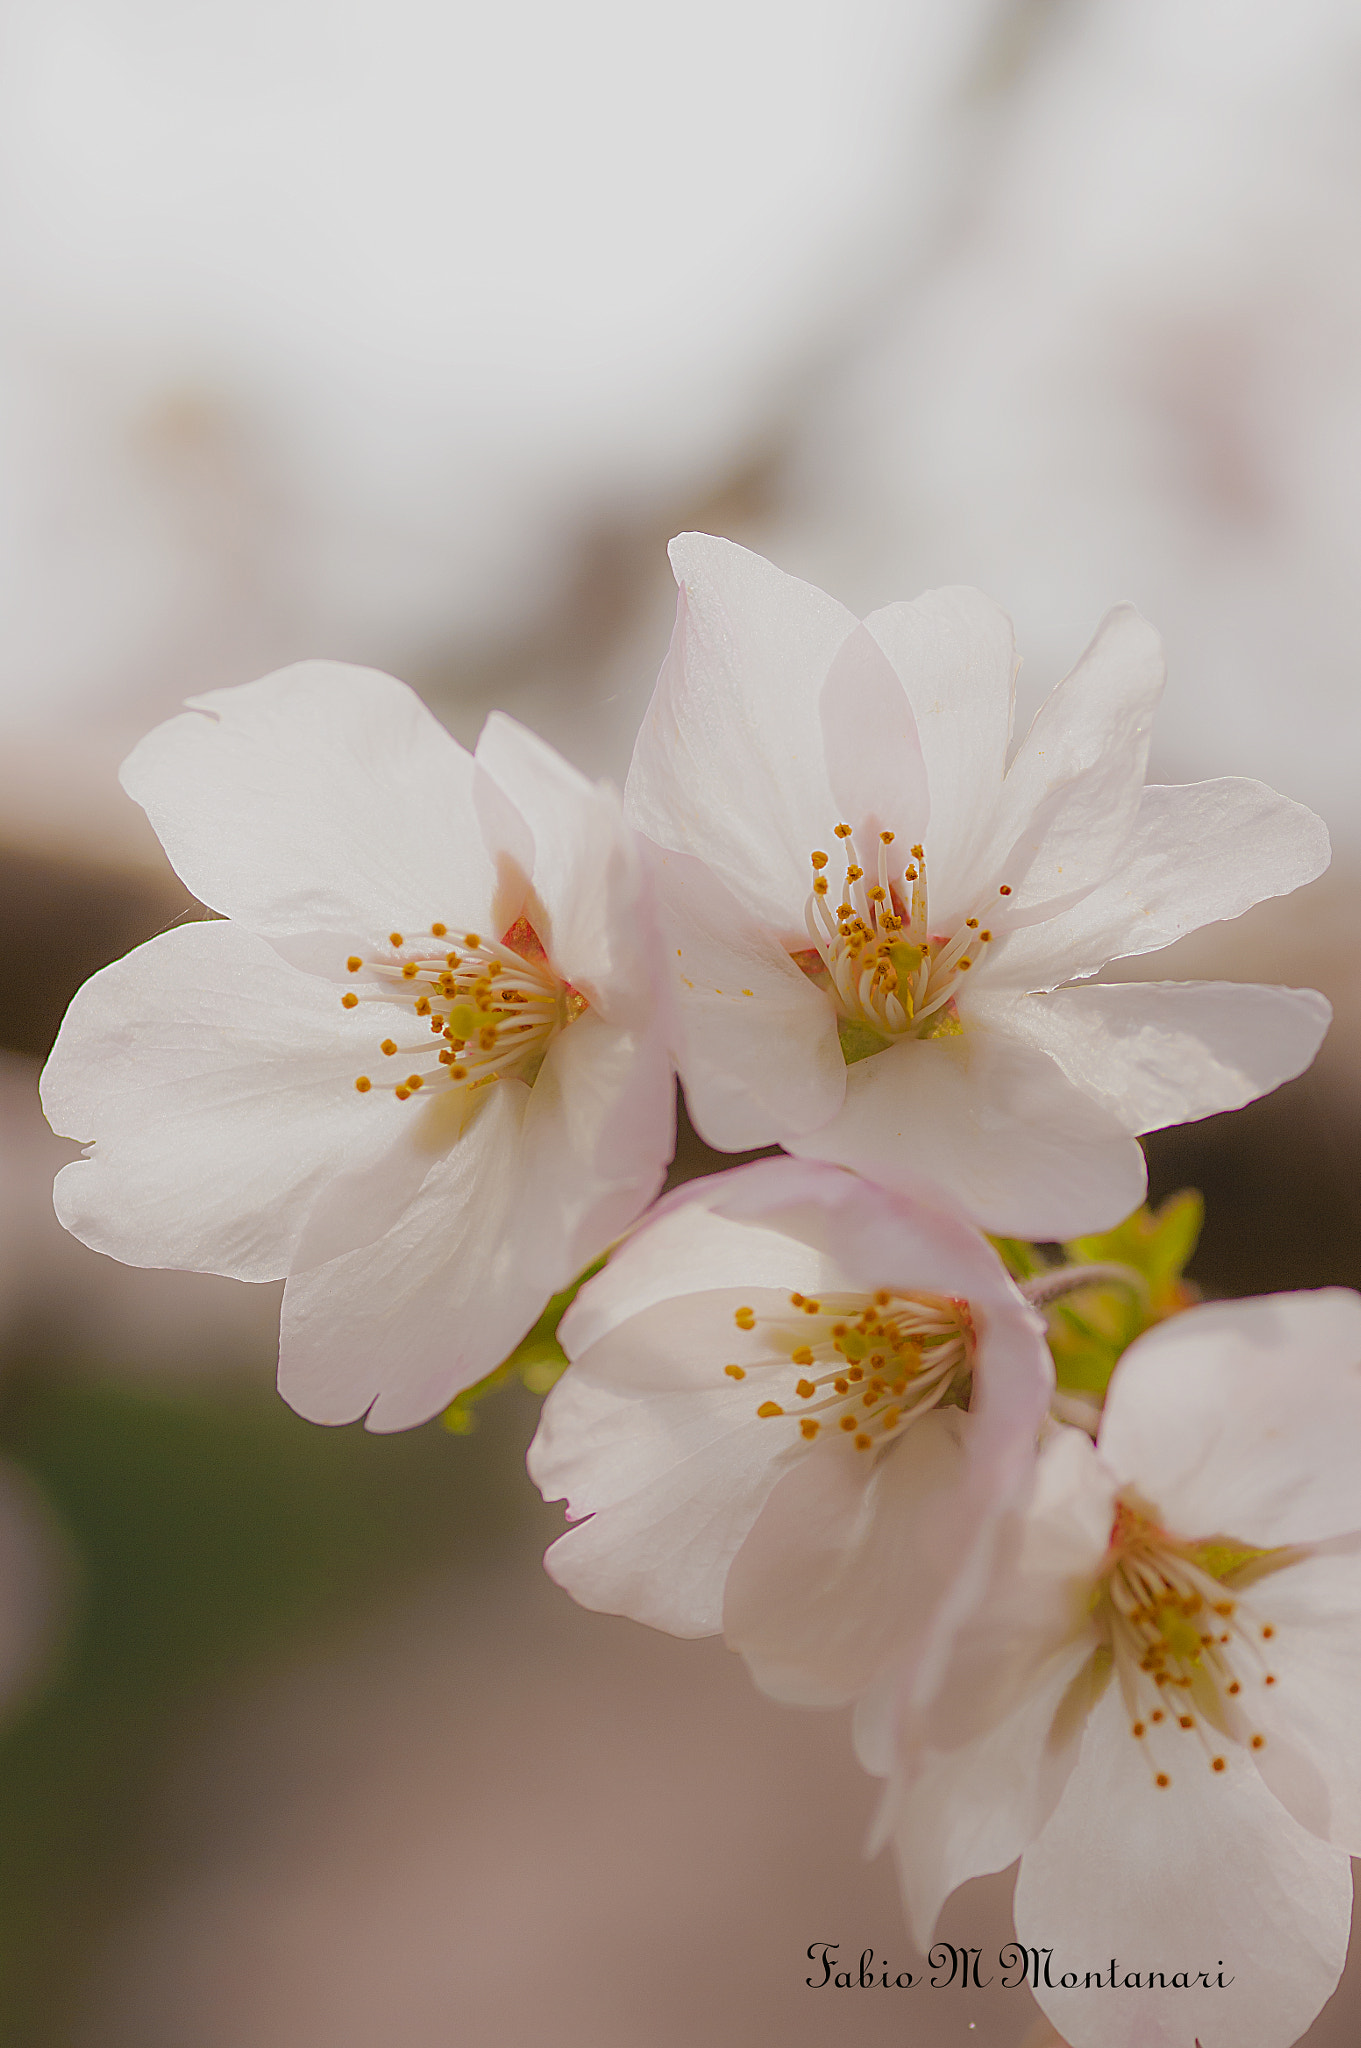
{"type": "Point", "coordinates": [1090, 1329]}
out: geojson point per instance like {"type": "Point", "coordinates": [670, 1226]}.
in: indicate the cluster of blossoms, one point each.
{"type": "Point", "coordinates": [420, 1065]}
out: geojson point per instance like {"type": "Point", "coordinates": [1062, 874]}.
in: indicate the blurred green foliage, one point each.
{"type": "Point", "coordinates": [210, 1531]}
{"type": "Point", "coordinates": [1090, 1327]}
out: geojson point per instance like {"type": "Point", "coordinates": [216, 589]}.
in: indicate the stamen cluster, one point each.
{"type": "Point", "coordinates": [494, 1005]}
{"type": "Point", "coordinates": [869, 1366]}
{"type": "Point", "coordinates": [891, 977]}
{"type": "Point", "coordinates": [1185, 1650]}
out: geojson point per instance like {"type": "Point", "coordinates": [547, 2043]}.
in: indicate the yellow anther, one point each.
{"type": "Point", "coordinates": [388, 1047]}
{"type": "Point", "coordinates": [745, 1319]}
{"type": "Point", "coordinates": [806, 1389]}
{"type": "Point", "coordinates": [986, 937]}
{"type": "Point", "coordinates": [919, 853]}
{"type": "Point", "coordinates": [853, 873]}
{"type": "Point", "coordinates": [843, 831]}
{"type": "Point", "coordinates": [811, 1307]}
{"type": "Point", "coordinates": [770, 1408]}
{"type": "Point", "coordinates": [1138, 1729]}
{"type": "Point", "coordinates": [972, 923]}
{"type": "Point", "coordinates": [1259, 1742]}
{"type": "Point", "coordinates": [1219, 1763]}
{"type": "Point", "coordinates": [889, 1418]}
{"type": "Point", "coordinates": [863, 1442]}
{"type": "Point", "coordinates": [354, 963]}
{"type": "Point", "coordinates": [842, 1386]}
{"type": "Point", "coordinates": [363, 1084]}
{"type": "Point", "coordinates": [819, 885]}
{"type": "Point", "coordinates": [402, 1094]}
{"type": "Point", "coordinates": [349, 1000]}
{"type": "Point", "coordinates": [396, 938]}
{"type": "Point", "coordinates": [966, 962]}
{"type": "Point", "coordinates": [887, 838]}
{"type": "Point", "coordinates": [413, 1081]}
{"type": "Point", "coordinates": [472, 941]}
{"type": "Point", "coordinates": [410, 971]}
{"type": "Point", "coordinates": [809, 1426]}
{"type": "Point", "coordinates": [819, 860]}
{"type": "Point", "coordinates": [882, 1298]}
{"type": "Point", "coordinates": [848, 1422]}
{"type": "Point", "coordinates": [735, 1372]}
{"type": "Point", "coordinates": [1162, 1781]}
{"type": "Point", "coordinates": [803, 1356]}
{"type": "Point", "coordinates": [1005, 889]}
{"type": "Point", "coordinates": [1267, 1633]}
{"type": "Point", "coordinates": [437, 931]}
{"type": "Point", "coordinates": [453, 959]}
{"type": "Point", "coordinates": [422, 1006]}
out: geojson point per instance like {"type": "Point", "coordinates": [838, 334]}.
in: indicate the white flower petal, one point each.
{"type": "Point", "coordinates": [848, 1559]}
{"type": "Point", "coordinates": [587, 872]}
{"type": "Point", "coordinates": [729, 763]}
{"type": "Point", "coordinates": [1175, 1879]}
{"type": "Point", "coordinates": [1312, 1760]}
{"type": "Point", "coordinates": [1242, 1419]}
{"type": "Point", "coordinates": [217, 1085]}
{"type": "Point", "coordinates": [398, 1328]}
{"type": "Point", "coordinates": [757, 1041]}
{"type": "Point", "coordinates": [321, 798]}
{"type": "Point", "coordinates": [598, 1131]}
{"type": "Point", "coordinates": [1072, 793]}
{"type": "Point", "coordinates": [955, 653]}
{"type": "Point", "coordinates": [972, 1810]}
{"type": "Point", "coordinates": [995, 1123]}
{"type": "Point", "coordinates": [1198, 853]}
{"type": "Point", "coordinates": [869, 738]}
{"type": "Point", "coordinates": [698, 1466]}
{"type": "Point", "coordinates": [1154, 1053]}
{"type": "Point", "coordinates": [683, 1250]}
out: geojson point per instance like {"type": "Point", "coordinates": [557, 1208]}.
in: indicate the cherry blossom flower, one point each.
{"type": "Point", "coordinates": [1156, 1706]}
{"type": "Point", "coordinates": [788, 1390]}
{"type": "Point", "coordinates": [874, 922]}
{"type": "Point", "coordinates": [416, 1065]}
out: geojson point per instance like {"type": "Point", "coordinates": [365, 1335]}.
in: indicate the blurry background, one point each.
{"type": "Point", "coordinates": [407, 335]}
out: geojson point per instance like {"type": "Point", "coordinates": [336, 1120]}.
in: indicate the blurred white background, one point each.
{"type": "Point", "coordinates": [407, 334]}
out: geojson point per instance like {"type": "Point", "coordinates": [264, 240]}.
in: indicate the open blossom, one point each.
{"type": "Point", "coordinates": [873, 919]}
{"type": "Point", "coordinates": [1158, 1702]}
{"type": "Point", "coordinates": [415, 1066]}
{"type": "Point", "coordinates": [797, 1410]}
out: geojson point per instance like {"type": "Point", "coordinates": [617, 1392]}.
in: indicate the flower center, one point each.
{"type": "Point", "coordinates": [488, 1008]}
{"type": "Point", "coordinates": [1189, 1655]}
{"type": "Point", "coordinates": [888, 974]}
{"type": "Point", "coordinates": [866, 1365]}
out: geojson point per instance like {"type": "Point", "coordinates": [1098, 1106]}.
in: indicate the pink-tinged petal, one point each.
{"type": "Point", "coordinates": [1207, 1873]}
{"type": "Point", "coordinates": [1166, 1052]}
{"type": "Point", "coordinates": [1072, 793]}
{"type": "Point", "coordinates": [396, 1329]}
{"type": "Point", "coordinates": [729, 762]}
{"type": "Point", "coordinates": [1241, 1419]}
{"type": "Point", "coordinates": [1038, 1601]}
{"type": "Point", "coordinates": [995, 1123]}
{"type": "Point", "coordinates": [598, 1133]}
{"type": "Point", "coordinates": [1198, 853]}
{"type": "Point", "coordinates": [683, 1252]}
{"type": "Point", "coordinates": [321, 798]}
{"type": "Point", "coordinates": [971, 1810]}
{"type": "Point", "coordinates": [587, 874]}
{"type": "Point", "coordinates": [954, 651]}
{"type": "Point", "coordinates": [820, 1598]}
{"type": "Point", "coordinates": [672, 1484]}
{"type": "Point", "coordinates": [1311, 1759]}
{"type": "Point", "coordinates": [869, 737]}
{"type": "Point", "coordinates": [216, 1086]}
{"type": "Point", "coordinates": [913, 1240]}
{"type": "Point", "coordinates": [756, 1040]}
